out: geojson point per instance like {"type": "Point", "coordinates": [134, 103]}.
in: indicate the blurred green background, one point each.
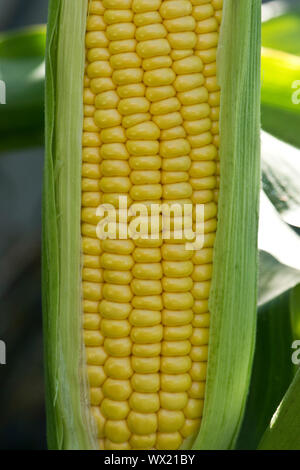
{"type": "Point", "coordinates": [22, 417]}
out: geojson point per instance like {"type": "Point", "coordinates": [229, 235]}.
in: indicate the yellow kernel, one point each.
{"type": "Point", "coordinates": [188, 82]}
{"type": "Point", "coordinates": [177, 25]}
{"type": "Point", "coordinates": [96, 39]}
{"type": "Point", "coordinates": [97, 53]}
{"type": "Point", "coordinates": [146, 383]}
{"type": "Point", "coordinates": [93, 338]}
{"type": "Point", "coordinates": [107, 100]}
{"type": "Point", "coordinates": [207, 25]}
{"type": "Point", "coordinates": [96, 375]}
{"type": "Point", "coordinates": [144, 403]}
{"type": "Point", "coordinates": [142, 441]}
{"type": "Point", "coordinates": [145, 163]}
{"type": "Point", "coordinates": [194, 408]}
{"type": "Point", "coordinates": [176, 365]}
{"type": "Point", "coordinates": [176, 348]}
{"type": "Point", "coordinates": [115, 328]}
{"type": "Point", "coordinates": [149, 302]}
{"type": "Point", "coordinates": [176, 164]}
{"type": "Point", "coordinates": [127, 76]}
{"type": "Point", "coordinates": [146, 350]}
{"type": "Point", "coordinates": [118, 368]}
{"type": "Point", "coordinates": [159, 77]}
{"type": "Point", "coordinates": [109, 445]}
{"type": "Point", "coordinates": [89, 306]}
{"type": "Point", "coordinates": [117, 431]}
{"type": "Point", "coordinates": [151, 31]}
{"type": "Point", "coordinates": [88, 96]}
{"type": "Point", "coordinates": [198, 371]}
{"type": "Point", "coordinates": [116, 389]}
{"type": "Point", "coordinates": [153, 48]}
{"type": "Point", "coordinates": [145, 365]}
{"type": "Point", "coordinates": [118, 16]}
{"type": "Point", "coordinates": [133, 105]}
{"type": "Point", "coordinates": [96, 396]}
{"type": "Point", "coordinates": [120, 31]}
{"type": "Point", "coordinates": [183, 284]}
{"type": "Point", "coordinates": [116, 410]}
{"type": "Point", "coordinates": [91, 290]}
{"type": "Point", "coordinates": [145, 177]}
{"type": "Point", "coordinates": [117, 293]}
{"type": "Point", "coordinates": [176, 317]}
{"type": "Point", "coordinates": [117, 277]}
{"type": "Point", "coordinates": [201, 12]}
{"type": "Point", "coordinates": [107, 118]}
{"type": "Point", "coordinates": [114, 310]}
{"type": "Point", "coordinates": [168, 105]}
{"type": "Point", "coordinates": [95, 356]}
{"type": "Point", "coordinates": [178, 301]}
{"type": "Point", "coordinates": [98, 85]}
{"type": "Point", "coordinates": [190, 427]}
{"type": "Point", "coordinates": [207, 56]}
{"type": "Point", "coordinates": [175, 383]}
{"type": "Point", "coordinates": [116, 262]}
{"type": "Point", "coordinates": [91, 321]}
{"type": "Point", "coordinates": [144, 335]}
{"type": "Point", "coordinates": [207, 41]}
{"type": "Point", "coordinates": [118, 347]}
{"type": "Point", "coordinates": [140, 423]}
{"type": "Point", "coordinates": [146, 287]}
{"type": "Point", "coordinates": [90, 139]}
{"type": "Point", "coordinates": [134, 119]}
{"type": "Point", "coordinates": [160, 93]}
{"type": "Point", "coordinates": [185, 40]}
{"type": "Point", "coordinates": [200, 336]}
{"type": "Point", "coordinates": [142, 147]}
{"type": "Point", "coordinates": [199, 353]}
{"type": "Point", "coordinates": [173, 133]}
{"type": "Point", "coordinates": [170, 420]}
{"type": "Point", "coordinates": [168, 121]}
{"type": "Point", "coordinates": [96, 7]}
{"type": "Point", "coordinates": [177, 54]}
{"type": "Point", "coordinates": [173, 401]}
{"type": "Point", "coordinates": [175, 9]}
{"type": "Point", "coordinates": [125, 60]}
{"type": "Point", "coordinates": [177, 333]}
{"type": "Point", "coordinates": [158, 62]}
{"type": "Point", "coordinates": [168, 441]}
{"type": "Point", "coordinates": [99, 68]}
{"type": "Point", "coordinates": [197, 390]}
{"type": "Point", "coordinates": [123, 46]}
{"type": "Point", "coordinates": [201, 290]}
{"type": "Point", "coordinates": [117, 4]}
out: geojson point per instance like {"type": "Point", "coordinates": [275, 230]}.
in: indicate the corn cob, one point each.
{"type": "Point", "coordinates": [151, 107]}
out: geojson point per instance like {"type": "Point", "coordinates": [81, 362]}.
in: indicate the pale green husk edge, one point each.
{"type": "Point", "coordinates": [233, 294]}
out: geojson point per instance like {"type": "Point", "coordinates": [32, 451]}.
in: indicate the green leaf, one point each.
{"type": "Point", "coordinates": [280, 96]}
{"type": "Point", "coordinates": [22, 70]}
{"type": "Point", "coordinates": [282, 33]}
{"type": "Point", "coordinates": [284, 429]}
{"type": "Point", "coordinates": [279, 253]}
{"type": "Point", "coordinates": [273, 369]}
{"type": "Point", "coordinates": [281, 176]}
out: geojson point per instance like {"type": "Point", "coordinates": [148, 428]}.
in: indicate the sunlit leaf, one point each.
{"type": "Point", "coordinates": [281, 176]}
{"type": "Point", "coordinates": [284, 429]}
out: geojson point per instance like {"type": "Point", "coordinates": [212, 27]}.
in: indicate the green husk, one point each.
{"type": "Point", "coordinates": [233, 297]}
{"type": "Point", "coordinates": [69, 426]}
